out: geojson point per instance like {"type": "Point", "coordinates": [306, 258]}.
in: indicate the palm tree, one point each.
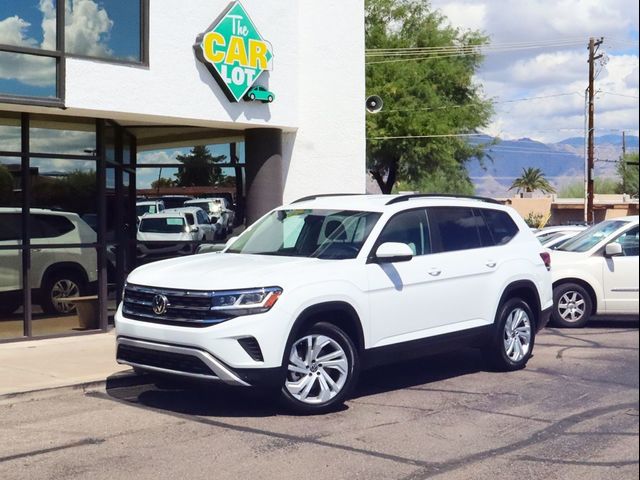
{"type": "Point", "coordinates": [532, 179]}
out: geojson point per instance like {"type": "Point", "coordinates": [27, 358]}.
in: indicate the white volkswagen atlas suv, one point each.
{"type": "Point", "coordinates": [321, 288]}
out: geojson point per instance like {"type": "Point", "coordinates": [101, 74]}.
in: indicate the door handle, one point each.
{"type": "Point", "coordinates": [491, 264]}
{"type": "Point", "coordinates": [434, 272]}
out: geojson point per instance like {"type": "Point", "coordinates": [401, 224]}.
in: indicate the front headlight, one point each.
{"type": "Point", "coordinates": [245, 302]}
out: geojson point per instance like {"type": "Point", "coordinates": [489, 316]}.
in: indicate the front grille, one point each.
{"type": "Point", "coordinates": [184, 307]}
{"type": "Point", "coordinates": [177, 362]}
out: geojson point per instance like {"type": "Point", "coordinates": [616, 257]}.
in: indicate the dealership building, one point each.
{"type": "Point", "coordinates": [101, 100]}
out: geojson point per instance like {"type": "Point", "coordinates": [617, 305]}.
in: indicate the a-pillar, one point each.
{"type": "Point", "coordinates": [263, 167]}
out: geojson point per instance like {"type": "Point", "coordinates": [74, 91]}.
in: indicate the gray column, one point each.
{"type": "Point", "coordinates": [263, 157]}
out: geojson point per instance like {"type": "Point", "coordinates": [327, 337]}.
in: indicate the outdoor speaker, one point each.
{"type": "Point", "coordinates": [374, 104]}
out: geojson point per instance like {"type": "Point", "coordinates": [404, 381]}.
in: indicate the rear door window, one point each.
{"type": "Point", "coordinates": [10, 226]}
{"type": "Point", "coordinates": [456, 228]}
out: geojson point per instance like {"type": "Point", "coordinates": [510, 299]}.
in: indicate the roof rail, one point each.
{"type": "Point", "coordinates": [313, 197]}
{"type": "Point", "coordinates": [404, 198]}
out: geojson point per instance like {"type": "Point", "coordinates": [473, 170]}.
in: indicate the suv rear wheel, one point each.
{"type": "Point", "coordinates": [60, 285]}
{"type": "Point", "coordinates": [322, 367]}
{"type": "Point", "coordinates": [512, 344]}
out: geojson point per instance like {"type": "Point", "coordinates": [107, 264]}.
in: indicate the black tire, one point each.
{"type": "Point", "coordinates": [49, 290]}
{"type": "Point", "coordinates": [572, 306]}
{"type": "Point", "coordinates": [252, 97]}
{"type": "Point", "coordinates": [9, 303]}
{"type": "Point", "coordinates": [269, 99]}
{"type": "Point", "coordinates": [501, 352]}
{"type": "Point", "coordinates": [318, 373]}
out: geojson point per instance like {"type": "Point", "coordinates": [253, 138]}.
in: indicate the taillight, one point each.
{"type": "Point", "coordinates": [546, 258]}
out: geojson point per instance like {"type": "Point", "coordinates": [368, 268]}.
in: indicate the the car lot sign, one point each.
{"type": "Point", "coordinates": [234, 52]}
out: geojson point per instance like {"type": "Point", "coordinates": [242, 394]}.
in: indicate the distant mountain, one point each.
{"type": "Point", "coordinates": [561, 162]}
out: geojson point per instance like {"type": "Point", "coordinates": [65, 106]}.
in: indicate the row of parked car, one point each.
{"type": "Point", "coordinates": [180, 228]}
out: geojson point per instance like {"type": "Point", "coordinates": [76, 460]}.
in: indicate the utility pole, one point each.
{"type": "Point", "coordinates": [623, 161]}
{"type": "Point", "coordinates": [593, 49]}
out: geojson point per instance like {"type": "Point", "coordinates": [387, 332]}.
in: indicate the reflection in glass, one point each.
{"type": "Point", "coordinates": [62, 135]}
{"type": "Point", "coordinates": [66, 185]}
{"type": "Point", "coordinates": [10, 140]}
{"type": "Point", "coordinates": [103, 29]}
{"type": "Point", "coordinates": [27, 75]}
{"type": "Point", "coordinates": [10, 182]}
{"type": "Point", "coordinates": [70, 272]}
{"type": "Point", "coordinates": [11, 321]}
{"type": "Point", "coordinates": [28, 23]}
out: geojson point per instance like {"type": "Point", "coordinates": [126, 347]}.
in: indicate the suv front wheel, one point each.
{"type": "Point", "coordinates": [322, 367]}
{"type": "Point", "coordinates": [512, 343]}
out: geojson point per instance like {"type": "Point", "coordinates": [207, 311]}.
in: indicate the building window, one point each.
{"type": "Point", "coordinates": [106, 29]}
{"type": "Point", "coordinates": [33, 43]}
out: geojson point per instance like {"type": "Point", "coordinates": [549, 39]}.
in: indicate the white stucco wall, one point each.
{"type": "Point", "coordinates": [317, 76]}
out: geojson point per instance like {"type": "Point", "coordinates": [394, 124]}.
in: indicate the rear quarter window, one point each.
{"type": "Point", "coordinates": [500, 224]}
{"type": "Point", "coordinates": [50, 226]}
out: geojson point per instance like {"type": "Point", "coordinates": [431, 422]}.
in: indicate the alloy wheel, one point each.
{"type": "Point", "coordinates": [571, 306]}
{"type": "Point", "coordinates": [517, 335]}
{"type": "Point", "coordinates": [64, 288]}
{"type": "Point", "coordinates": [317, 370]}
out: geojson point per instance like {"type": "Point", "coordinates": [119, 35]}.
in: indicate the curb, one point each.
{"type": "Point", "coordinates": [118, 380]}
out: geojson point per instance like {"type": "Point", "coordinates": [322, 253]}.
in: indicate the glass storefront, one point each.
{"type": "Point", "coordinates": [70, 189]}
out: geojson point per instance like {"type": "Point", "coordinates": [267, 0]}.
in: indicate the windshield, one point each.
{"type": "Point", "coordinates": [590, 237]}
{"type": "Point", "coordinates": [545, 239]}
{"type": "Point", "coordinates": [142, 209]}
{"type": "Point", "coordinates": [326, 234]}
{"type": "Point", "coordinates": [202, 205]}
{"type": "Point", "coordinates": [162, 225]}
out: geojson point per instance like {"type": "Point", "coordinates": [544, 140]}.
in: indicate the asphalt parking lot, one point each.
{"type": "Point", "coordinates": [572, 413]}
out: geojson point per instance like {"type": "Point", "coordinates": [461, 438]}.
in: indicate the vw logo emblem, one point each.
{"type": "Point", "coordinates": [159, 304]}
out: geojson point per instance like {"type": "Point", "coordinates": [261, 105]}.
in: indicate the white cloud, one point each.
{"type": "Point", "coordinates": [563, 29]}
{"type": "Point", "coordinates": [87, 29]}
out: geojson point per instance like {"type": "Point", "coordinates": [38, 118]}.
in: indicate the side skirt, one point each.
{"type": "Point", "coordinates": [473, 337]}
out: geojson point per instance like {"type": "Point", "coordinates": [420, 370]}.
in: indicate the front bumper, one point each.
{"type": "Point", "coordinates": [189, 362]}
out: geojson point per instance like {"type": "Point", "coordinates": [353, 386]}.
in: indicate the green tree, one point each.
{"type": "Point", "coordinates": [199, 168]}
{"type": "Point", "coordinates": [627, 169]}
{"type": "Point", "coordinates": [532, 179]}
{"type": "Point", "coordinates": [423, 94]}
{"type": "Point", "coordinates": [446, 179]}
{"type": "Point", "coordinates": [162, 182]}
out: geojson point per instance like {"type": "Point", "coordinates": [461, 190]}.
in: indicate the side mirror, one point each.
{"type": "Point", "coordinates": [613, 250]}
{"type": "Point", "coordinates": [390, 252]}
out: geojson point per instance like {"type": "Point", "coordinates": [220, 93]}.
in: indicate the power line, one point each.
{"type": "Point", "coordinates": [429, 136]}
{"type": "Point", "coordinates": [619, 95]}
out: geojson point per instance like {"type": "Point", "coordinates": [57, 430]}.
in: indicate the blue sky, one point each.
{"type": "Point", "coordinates": [539, 86]}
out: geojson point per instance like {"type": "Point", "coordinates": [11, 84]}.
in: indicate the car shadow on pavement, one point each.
{"type": "Point", "coordinates": [219, 400]}
{"type": "Point", "coordinates": [419, 372]}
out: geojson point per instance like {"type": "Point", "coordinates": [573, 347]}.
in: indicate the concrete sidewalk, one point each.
{"type": "Point", "coordinates": [37, 365]}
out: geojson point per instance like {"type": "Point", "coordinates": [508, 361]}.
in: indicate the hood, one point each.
{"type": "Point", "coordinates": [219, 271]}
{"type": "Point", "coordinates": [559, 257]}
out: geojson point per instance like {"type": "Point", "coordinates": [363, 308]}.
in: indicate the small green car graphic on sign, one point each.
{"type": "Point", "coordinates": [259, 93]}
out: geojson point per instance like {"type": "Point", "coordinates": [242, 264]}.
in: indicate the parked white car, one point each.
{"type": "Point", "coordinates": [148, 206]}
{"type": "Point", "coordinates": [596, 272]}
{"type": "Point", "coordinates": [174, 231]}
{"type": "Point", "coordinates": [219, 211]}
{"type": "Point", "coordinates": [318, 289]}
{"type": "Point", "coordinates": [557, 235]}
{"type": "Point", "coordinates": [55, 272]}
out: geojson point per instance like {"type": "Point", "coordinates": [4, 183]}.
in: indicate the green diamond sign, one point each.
{"type": "Point", "coordinates": [234, 52]}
